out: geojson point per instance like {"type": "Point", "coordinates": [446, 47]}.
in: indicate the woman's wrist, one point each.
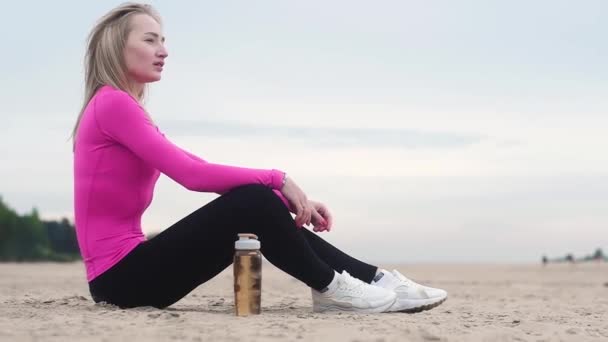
{"type": "Point", "coordinates": [284, 180]}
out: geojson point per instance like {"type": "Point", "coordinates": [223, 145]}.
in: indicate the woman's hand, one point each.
{"type": "Point", "coordinates": [321, 217]}
{"type": "Point", "coordinates": [299, 202]}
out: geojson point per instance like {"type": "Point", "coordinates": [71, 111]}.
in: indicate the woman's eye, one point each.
{"type": "Point", "coordinates": [150, 40]}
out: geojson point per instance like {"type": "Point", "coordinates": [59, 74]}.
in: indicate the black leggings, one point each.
{"type": "Point", "coordinates": [164, 269]}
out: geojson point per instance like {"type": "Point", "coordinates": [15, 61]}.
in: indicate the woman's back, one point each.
{"type": "Point", "coordinates": [112, 189]}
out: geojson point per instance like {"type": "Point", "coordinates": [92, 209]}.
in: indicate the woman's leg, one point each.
{"type": "Point", "coordinates": [339, 260]}
{"type": "Point", "coordinates": [167, 267]}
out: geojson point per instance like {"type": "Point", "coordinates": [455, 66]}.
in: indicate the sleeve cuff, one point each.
{"type": "Point", "coordinates": [277, 179]}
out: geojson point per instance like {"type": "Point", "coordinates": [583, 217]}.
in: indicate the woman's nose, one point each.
{"type": "Point", "coordinates": [163, 53]}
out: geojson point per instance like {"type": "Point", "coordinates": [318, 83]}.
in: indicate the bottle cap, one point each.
{"type": "Point", "coordinates": [247, 241]}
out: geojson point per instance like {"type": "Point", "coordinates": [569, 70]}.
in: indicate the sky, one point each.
{"type": "Point", "coordinates": [434, 131]}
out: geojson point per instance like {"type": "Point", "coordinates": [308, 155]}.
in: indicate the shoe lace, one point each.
{"type": "Point", "coordinates": [351, 283]}
{"type": "Point", "coordinates": [407, 282]}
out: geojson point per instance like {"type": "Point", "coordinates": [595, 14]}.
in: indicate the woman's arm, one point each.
{"type": "Point", "coordinates": [121, 119]}
{"type": "Point", "coordinates": [277, 192]}
{"type": "Point", "coordinates": [199, 159]}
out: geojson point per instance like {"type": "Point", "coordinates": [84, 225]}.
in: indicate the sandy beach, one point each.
{"type": "Point", "coordinates": [50, 302]}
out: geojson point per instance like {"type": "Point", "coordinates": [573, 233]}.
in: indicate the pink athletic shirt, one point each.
{"type": "Point", "coordinates": [119, 155]}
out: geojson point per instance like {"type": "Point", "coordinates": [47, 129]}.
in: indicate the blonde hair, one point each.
{"type": "Point", "coordinates": [104, 62]}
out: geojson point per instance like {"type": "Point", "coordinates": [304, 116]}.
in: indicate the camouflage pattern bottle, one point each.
{"type": "Point", "coordinates": [247, 268]}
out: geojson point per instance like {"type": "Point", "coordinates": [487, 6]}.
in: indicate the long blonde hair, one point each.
{"type": "Point", "coordinates": [104, 62]}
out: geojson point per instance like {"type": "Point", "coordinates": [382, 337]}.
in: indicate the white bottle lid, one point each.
{"type": "Point", "coordinates": [247, 242]}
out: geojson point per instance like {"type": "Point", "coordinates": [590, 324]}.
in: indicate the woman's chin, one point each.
{"type": "Point", "coordinates": [154, 78]}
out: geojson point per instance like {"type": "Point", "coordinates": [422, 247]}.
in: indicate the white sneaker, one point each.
{"type": "Point", "coordinates": [352, 294]}
{"type": "Point", "coordinates": [411, 297]}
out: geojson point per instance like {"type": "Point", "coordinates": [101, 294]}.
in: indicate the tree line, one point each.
{"type": "Point", "coordinates": [598, 255]}
{"type": "Point", "coordinates": [28, 238]}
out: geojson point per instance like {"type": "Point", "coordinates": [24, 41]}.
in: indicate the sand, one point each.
{"type": "Point", "coordinates": [50, 302]}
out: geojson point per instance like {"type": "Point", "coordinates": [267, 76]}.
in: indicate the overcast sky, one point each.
{"type": "Point", "coordinates": [435, 131]}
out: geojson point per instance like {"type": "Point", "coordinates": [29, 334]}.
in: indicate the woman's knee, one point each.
{"type": "Point", "coordinates": [258, 197]}
{"type": "Point", "coordinates": [254, 192]}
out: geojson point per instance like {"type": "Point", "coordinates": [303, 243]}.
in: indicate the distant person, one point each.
{"type": "Point", "coordinates": [570, 258]}
{"type": "Point", "coordinates": [119, 154]}
{"type": "Point", "coordinates": [599, 255]}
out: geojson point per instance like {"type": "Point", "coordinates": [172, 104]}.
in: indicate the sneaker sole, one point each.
{"type": "Point", "coordinates": [423, 307]}
{"type": "Point", "coordinates": [320, 308]}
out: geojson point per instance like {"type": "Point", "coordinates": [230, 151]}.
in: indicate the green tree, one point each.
{"type": "Point", "coordinates": [27, 238]}
{"type": "Point", "coordinates": [8, 226]}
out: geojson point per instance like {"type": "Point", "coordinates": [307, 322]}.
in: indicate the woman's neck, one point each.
{"type": "Point", "coordinates": [138, 88]}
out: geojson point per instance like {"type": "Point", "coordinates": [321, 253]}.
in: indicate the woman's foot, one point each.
{"type": "Point", "coordinates": [346, 293]}
{"type": "Point", "coordinates": [411, 297]}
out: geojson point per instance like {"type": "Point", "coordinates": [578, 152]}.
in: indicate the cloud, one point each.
{"type": "Point", "coordinates": [323, 136]}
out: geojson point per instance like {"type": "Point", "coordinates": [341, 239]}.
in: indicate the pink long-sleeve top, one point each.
{"type": "Point", "coordinates": [119, 155]}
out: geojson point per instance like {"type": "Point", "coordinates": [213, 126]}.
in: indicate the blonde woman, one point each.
{"type": "Point", "coordinates": [119, 154]}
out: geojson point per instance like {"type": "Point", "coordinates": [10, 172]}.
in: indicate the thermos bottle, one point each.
{"type": "Point", "coordinates": [247, 275]}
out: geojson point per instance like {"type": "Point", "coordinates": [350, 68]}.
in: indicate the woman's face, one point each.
{"type": "Point", "coordinates": [145, 50]}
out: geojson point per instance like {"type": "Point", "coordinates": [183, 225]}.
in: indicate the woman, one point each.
{"type": "Point", "coordinates": [119, 154]}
